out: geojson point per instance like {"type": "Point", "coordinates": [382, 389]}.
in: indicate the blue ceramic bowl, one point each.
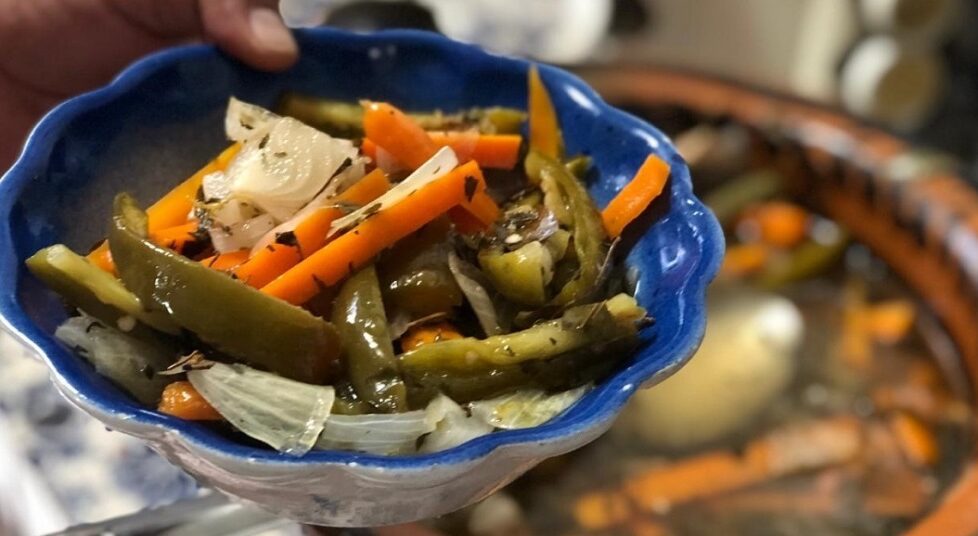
{"type": "Point", "coordinates": [162, 118]}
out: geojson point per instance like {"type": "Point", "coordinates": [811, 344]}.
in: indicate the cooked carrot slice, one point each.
{"type": "Point", "coordinates": [180, 399]}
{"type": "Point", "coordinates": [398, 134]}
{"type": "Point", "coordinates": [310, 234]}
{"type": "Point", "coordinates": [351, 250]}
{"type": "Point", "coordinates": [636, 196]}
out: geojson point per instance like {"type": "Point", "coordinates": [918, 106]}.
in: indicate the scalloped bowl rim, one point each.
{"type": "Point", "coordinates": [615, 389]}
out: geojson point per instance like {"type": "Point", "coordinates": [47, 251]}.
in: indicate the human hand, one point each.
{"type": "Point", "coordinates": [54, 49]}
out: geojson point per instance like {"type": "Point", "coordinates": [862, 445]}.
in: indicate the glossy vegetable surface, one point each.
{"type": "Point", "coordinates": [232, 317]}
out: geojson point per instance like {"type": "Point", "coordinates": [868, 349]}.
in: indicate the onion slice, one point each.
{"type": "Point", "coordinates": [437, 166]}
{"type": "Point", "coordinates": [286, 414]}
{"type": "Point", "coordinates": [525, 408]}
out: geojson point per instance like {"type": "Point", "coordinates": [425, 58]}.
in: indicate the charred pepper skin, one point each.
{"type": "Point", "coordinates": [234, 318]}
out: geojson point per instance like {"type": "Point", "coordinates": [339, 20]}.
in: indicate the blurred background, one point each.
{"type": "Point", "coordinates": [818, 354]}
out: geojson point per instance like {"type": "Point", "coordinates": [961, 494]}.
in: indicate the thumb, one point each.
{"type": "Point", "coordinates": [255, 34]}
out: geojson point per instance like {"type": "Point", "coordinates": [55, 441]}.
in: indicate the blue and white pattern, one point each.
{"type": "Point", "coordinates": [63, 466]}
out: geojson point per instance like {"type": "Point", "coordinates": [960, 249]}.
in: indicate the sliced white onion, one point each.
{"type": "Point", "coordinates": [216, 186]}
{"type": "Point", "coordinates": [440, 164]}
{"type": "Point", "coordinates": [244, 121]}
{"type": "Point", "coordinates": [124, 359]}
{"type": "Point", "coordinates": [395, 433]}
{"type": "Point", "coordinates": [525, 408]}
{"type": "Point", "coordinates": [473, 284]}
{"type": "Point", "coordinates": [288, 167]}
{"type": "Point", "coordinates": [286, 414]}
{"type": "Point", "coordinates": [454, 427]}
{"type": "Point", "coordinates": [241, 235]}
{"type": "Point", "coordinates": [354, 172]}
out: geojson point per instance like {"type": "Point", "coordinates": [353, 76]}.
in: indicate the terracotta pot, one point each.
{"type": "Point", "coordinates": [925, 226]}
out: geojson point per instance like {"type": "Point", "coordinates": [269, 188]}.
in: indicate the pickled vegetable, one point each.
{"type": "Point", "coordinates": [232, 317]}
{"type": "Point", "coordinates": [590, 240]}
{"type": "Point", "coordinates": [94, 291]}
{"type": "Point", "coordinates": [358, 314]}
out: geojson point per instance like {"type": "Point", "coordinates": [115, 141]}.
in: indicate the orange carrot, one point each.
{"type": "Point", "coordinates": [227, 261]}
{"type": "Point", "coordinates": [779, 223]}
{"type": "Point", "coordinates": [544, 129]}
{"type": "Point", "coordinates": [175, 237]}
{"type": "Point", "coordinates": [419, 336]}
{"type": "Point", "coordinates": [476, 214]}
{"type": "Point", "coordinates": [353, 249]}
{"type": "Point", "coordinates": [601, 510]}
{"type": "Point", "coordinates": [171, 209]}
{"type": "Point", "coordinates": [636, 196]}
{"type": "Point", "coordinates": [310, 233]}
{"type": "Point", "coordinates": [891, 320]}
{"type": "Point", "coordinates": [180, 399]}
{"type": "Point", "coordinates": [744, 259]}
{"type": "Point", "coordinates": [915, 438]}
{"type": "Point", "coordinates": [398, 134]}
{"type": "Point", "coordinates": [496, 151]}
{"type": "Point", "coordinates": [102, 257]}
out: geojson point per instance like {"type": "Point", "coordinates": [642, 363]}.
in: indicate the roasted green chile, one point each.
{"type": "Point", "coordinates": [230, 316]}
{"type": "Point", "coordinates": [359, 317]}
{"type": "Point", "coordinates": [95, 292]}
{"type": "Point", "coordinates": [579, 347]}
{"type": "Point", "coordinates": [346, 119]}
{"type": "Point", "coordinates": [589, 238]}
{"type": "Point", "coordinates": [415, 277]}
{"type": "Point", "coordinates": [560, 353]}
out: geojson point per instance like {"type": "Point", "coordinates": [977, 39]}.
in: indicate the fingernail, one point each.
{"type": "Point", "coordinates": [270, 33]}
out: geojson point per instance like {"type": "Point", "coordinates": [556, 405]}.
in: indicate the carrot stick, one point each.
{"type": "Point", "coordinates": [476, 214]}
{"type": "Point", "coordinates": [171, 209]}
{"type": "Point", "coordinates": [830, 441]}
{"type": "Point", "coordinates": [102, 257]}
{"type": "Point", "coordinates": [419, 336]}
{"type": "Point", "coordinates": [495, 151]}
{"type": "Point", "coordinates": [544, 129]}
{"type": "Point", "coordinates": [355, 248]}
{"type": "Point", "coordinates": [781, 224]}
{"type": "Point", "coordinates": [310, 233]}
{"type": "Point", "coordinates": [915, 438]}
{"type": "Point", "coordinates": [601, 510]}
{"type": "Point", "coordinates": [227, 261]}
{"type": "Point", "coordinates": [891, 320]}
{"type": "Point", "coordinates": [823, 443]}
{"type": "Point", "coordinates": [744, 259]}
{"type": "Point", "coordinates": [398, 134]}
{"type": "Point", "coordinates": [175, 237]}
{"type": "Point", "coordinates": [636, 196]}
{"type": "Point", "coordinates": [180, 399]}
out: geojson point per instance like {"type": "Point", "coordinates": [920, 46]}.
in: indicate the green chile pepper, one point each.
{"type": "Point", "coordinates": [345, 119]}
{"type": "Point", "coordinates": [95, 292]}
{"type": "Point", "coordinates": [358, 315]}
{"type": "Point", "coordinates": [230, 316]}
{"type": "Point", "coordinates": [730, 199]}
{"type": "Point", "coordinates": [563, 353]}
{"type": "Point", "coordinates": [579, 166]}
{"type": "Point", "coordinates": [590, 239]}
{"type": "Point", "coordinates": [807, 260]}
{"type": "Point", "coordinates": [522, 275]}
{"type": "Point", "coordinates": [414, 274]}
{"type": "Point", "coordinates": [579, 327]}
